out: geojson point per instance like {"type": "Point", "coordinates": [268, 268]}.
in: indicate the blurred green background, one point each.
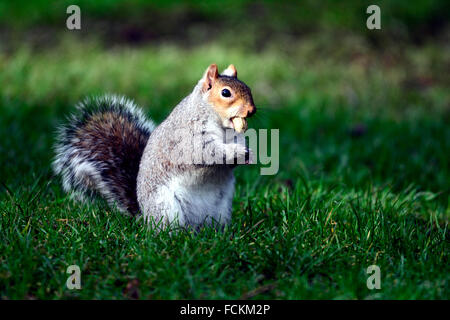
{"type": "Point", "coordinates": [303, 60]}
{"type": "Point", "coordinates": [363, 114]}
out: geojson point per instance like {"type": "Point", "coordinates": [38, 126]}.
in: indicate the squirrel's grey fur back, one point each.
{"type": "Point", "coordinates": [99, 150]}
{"type": "Point", "coordinates": [187, 193]}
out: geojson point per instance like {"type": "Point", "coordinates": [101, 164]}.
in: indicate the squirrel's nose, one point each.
{"type": "Point", "coordinates": [251, 111]}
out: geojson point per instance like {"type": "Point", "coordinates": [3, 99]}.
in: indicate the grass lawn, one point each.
{"type": "Point", "coordinates": [364, 175]}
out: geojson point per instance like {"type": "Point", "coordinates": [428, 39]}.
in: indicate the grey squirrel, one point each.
{"type": "Point", "coordinates": [180, 171]}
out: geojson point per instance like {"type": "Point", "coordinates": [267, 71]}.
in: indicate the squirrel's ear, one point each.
{"type": "Point", "coordinates": [230, 71]}
{"type": "Point", "coordinates": [210, 76]}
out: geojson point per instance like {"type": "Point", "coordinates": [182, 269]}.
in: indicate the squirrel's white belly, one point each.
{"type": "Point", "coordinates": [189, 203]}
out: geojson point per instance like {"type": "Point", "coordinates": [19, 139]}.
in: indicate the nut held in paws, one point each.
{"type": "Point", "coordinates": [240, 125]}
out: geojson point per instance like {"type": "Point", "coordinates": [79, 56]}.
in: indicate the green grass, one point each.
{"type": "Point", "coordinates": [364, 175]}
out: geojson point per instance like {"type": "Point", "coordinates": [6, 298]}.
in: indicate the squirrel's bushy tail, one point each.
{"type": "Point", "coordinates": [99, 150]}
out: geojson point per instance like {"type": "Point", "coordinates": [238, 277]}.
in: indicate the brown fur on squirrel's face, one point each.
{"type": "Point", "coordinates": [230, 97]}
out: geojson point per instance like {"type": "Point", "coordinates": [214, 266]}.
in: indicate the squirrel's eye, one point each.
{"type": "Point", "coordinates": [226, 93]}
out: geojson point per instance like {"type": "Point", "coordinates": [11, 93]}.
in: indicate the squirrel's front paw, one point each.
{"type": "Point", "coordinates": [249, 157]}
{"type": "Point", "coordinates": [242, 154]}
